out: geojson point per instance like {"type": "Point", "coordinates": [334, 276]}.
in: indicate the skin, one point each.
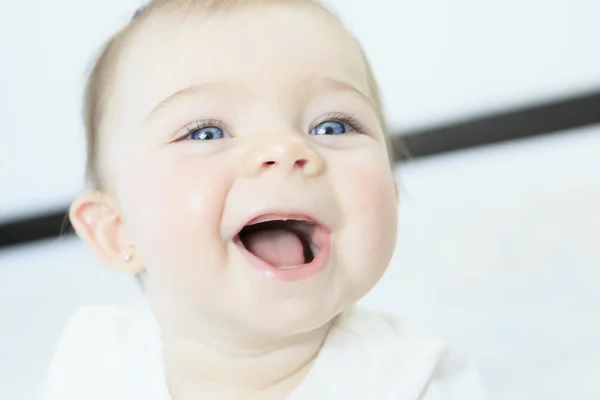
{"type": "Point", "coordinates": [230, 332]}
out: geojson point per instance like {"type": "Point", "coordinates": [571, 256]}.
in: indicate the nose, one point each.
{"type": "Point", "coordinates": [286, 155]}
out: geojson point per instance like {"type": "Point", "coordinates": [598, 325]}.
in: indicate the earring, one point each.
{"type": "Point", "coordinates": [127, 257]}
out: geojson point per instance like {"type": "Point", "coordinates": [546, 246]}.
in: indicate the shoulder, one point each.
{"type": "Point", "coordinates": [401, 360]}
{"type": "Point", "coordinates": [454, 378]}
{"type": "Point", "coordinates": [99, 355]}
{"type": "Point", "coordinates": [389, 335]}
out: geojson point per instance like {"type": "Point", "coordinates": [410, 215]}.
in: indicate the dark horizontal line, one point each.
{"type": "Point", "coordinates": [542, 119]}
{"type": "Point", "coordinates": [527, 122]}
{"type": "Point", "coordinates": [52, 224]}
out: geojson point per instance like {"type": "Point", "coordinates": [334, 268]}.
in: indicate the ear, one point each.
{"type": "Point", "coordinates": [96, 219]}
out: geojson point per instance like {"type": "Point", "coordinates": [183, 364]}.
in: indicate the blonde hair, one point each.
{"type": "Point", "coordinates": [98, 85]}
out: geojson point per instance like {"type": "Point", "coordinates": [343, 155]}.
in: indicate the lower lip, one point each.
{"type": "Point", "coordinates": [289, 274]}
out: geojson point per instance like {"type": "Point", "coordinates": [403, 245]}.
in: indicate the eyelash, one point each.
{"type": "Point", "coordinates": [352, 122]}
{"type": "Point", "coordinates": [197, 125]}
{"type": "Point", "coordinates": [349, 120]}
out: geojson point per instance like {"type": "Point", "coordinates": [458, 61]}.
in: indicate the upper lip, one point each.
{"type": "Point", "coordinates": [275, 215]}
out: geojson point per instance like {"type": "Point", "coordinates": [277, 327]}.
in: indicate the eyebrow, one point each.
{"type": "Point", "coordinates": [187, 92]}
{"type": "Point", "coordinates": [320, 84]}
{"type": "Point", "coordinates": [328, 83]}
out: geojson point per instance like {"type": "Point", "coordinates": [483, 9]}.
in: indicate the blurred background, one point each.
{"type": "Point", "coordinates": [499, 237]}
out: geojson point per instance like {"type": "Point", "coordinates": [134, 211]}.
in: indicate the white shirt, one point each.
{"type": "Point", "coordinates": [115, 354]}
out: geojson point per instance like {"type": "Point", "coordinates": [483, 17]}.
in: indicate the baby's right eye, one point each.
{"type": "Point", "coordinates": [207, 133]}
{"type": "Point", "coordinates": [204, 130]}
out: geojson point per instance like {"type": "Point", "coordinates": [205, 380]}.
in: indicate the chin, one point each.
{"type": "Point", "coordinates": [294, 321]}
{"type": "Point", "coordinates": [282, 312]}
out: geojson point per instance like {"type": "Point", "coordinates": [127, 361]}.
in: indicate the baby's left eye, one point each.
{"type": "Point", "coordinates": [331, 128]}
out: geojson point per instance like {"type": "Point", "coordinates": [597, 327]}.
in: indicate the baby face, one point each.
{"type": "Point", "coordinates": [246, 155]}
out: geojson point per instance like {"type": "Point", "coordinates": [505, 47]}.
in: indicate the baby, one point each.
{"type": "Point", "coordinates": [252, 247]}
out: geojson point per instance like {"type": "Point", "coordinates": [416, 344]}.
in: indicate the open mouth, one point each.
{"type": "Point", "coordinates": [282, 243]}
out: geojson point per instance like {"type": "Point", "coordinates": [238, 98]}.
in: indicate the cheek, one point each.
{"type": "Point", "coordinates": [171, 205]}
{"type": "Point", "coordinates": [366, 187]}
{"type": "Point", "coordinates": [368, 199]}
{"type": "Point", "coordinates": [372, 202]}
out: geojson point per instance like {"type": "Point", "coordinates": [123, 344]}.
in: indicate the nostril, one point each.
{"type": "Point", "coordinates": [300, 163]}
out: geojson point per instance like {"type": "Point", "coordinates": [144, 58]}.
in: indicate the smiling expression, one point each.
{"type": "Point", "coordinates": [267, 113]}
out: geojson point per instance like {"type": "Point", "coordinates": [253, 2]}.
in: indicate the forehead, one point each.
{"type": "Point", "coordinates": [272, 50]}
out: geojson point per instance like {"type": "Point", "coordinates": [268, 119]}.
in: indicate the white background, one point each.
{"type": "Point", "coordinates": [498, 248]}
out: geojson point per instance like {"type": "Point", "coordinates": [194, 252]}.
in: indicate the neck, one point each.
{"type": "Point", "coordinates": [204, 367]}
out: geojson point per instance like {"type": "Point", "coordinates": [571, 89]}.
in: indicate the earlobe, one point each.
{"type": "Point", "coordinates": [96, 220]}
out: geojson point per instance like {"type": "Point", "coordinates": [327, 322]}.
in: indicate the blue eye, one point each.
{"type": "Point", "coordinates": [207, 133]}
{"type": "Point", "coordinates": [330, 128]}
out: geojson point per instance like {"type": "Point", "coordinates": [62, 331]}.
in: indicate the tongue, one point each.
{"type": "Point", "coordinates": [278, 247]}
